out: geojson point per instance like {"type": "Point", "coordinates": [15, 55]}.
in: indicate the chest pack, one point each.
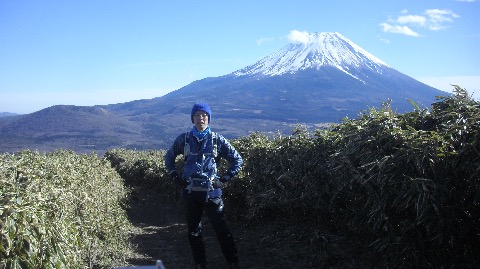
{"type": "Point", "coordinates": [186, 148]}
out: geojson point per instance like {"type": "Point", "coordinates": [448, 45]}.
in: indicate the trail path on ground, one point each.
{"type": "Point", "coordinates": [161, 234]}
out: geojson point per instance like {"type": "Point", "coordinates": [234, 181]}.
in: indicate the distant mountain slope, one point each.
{"type": "Point", "coordinates": [7, 114]}
{"type": "Point", "coordinates": [320, 81]}
{"type": "Point", "coordinates": [68, 127]}
{"type": "Point", "coordinates": [80, 119]}
{"type": "Point", "coordinates": [326, 95]}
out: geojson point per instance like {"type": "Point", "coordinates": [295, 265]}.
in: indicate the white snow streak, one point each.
{"type": "Point", "coordinates": [320, 49]}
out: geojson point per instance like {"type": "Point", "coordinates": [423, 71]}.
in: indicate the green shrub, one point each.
{"type": "Point", "coordinates": [144, 167]}
{"type": "Point", "coordinates": [410, 183]}
{"type": "Point", "coordinates": [61, 210]}
{"type": "Point", "coordinates": [404, 185]}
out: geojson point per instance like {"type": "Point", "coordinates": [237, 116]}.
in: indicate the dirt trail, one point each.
{"type": "Point", "coordinates": [161, 234]}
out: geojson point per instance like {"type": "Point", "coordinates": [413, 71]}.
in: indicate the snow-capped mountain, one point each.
{"type": "Point", "coordinates": [322, 79]}
{"type": "Point", "coordinates": [319, 50]}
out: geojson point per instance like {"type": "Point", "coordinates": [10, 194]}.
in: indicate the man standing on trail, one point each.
{"type": "Point", "coordinates": [202, 149]}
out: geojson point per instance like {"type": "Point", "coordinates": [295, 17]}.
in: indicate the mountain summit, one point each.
{"type": "Point", "coordinates": [316, 51]}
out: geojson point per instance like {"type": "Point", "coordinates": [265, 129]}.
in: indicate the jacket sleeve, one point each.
{"type": "Point", "coordinates": [227, 151]}
{"type": "Point", "coordinates": [172, 153]}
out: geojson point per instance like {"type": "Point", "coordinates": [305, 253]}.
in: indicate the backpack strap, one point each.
{"type": "Point", "coordinates": [186, 147]}
{"type": "Point", "coordinates": [215, 146]}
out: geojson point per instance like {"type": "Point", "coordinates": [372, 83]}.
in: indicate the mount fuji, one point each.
{"type": "Point", "coordinates": [321, 80]}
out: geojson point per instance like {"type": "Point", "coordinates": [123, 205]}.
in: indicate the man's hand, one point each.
{"type": "Point", "coordinates": [216, 183]}
{"type": "Point", "coordinates": [225, 178]}
{"type": "Point", "coordinates": [179, 180]}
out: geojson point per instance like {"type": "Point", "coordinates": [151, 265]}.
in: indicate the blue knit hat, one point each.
{"type": "Point", "coordinates": [203, 107]}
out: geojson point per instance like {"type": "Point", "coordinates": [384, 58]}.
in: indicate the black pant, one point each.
{"type": "Point", "coordinates": [214, 209]}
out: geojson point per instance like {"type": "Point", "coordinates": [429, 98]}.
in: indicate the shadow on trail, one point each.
{"type": "Point", "coordinates": [161, 230]}
{"type": "Point", "coordinates": [161, 234]}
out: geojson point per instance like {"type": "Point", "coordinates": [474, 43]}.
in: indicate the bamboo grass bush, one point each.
{"type": "Point", "coordinates": [144, 168]}
{"type": "Point", "coordinates": [61, 210]}
{"type": "Point", "coordinates": [404, 185]}
{"type": "Point", "coordinates": [279, 176]}
{"type": "Point", "coordinates": [410, 183]}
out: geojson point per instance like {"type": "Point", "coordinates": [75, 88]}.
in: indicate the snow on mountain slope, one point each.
{"type": "Point", "coordinates": [320, 49]}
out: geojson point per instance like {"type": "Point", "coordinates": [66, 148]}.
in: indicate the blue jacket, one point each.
{"type": "Point", "coordinates": [201, 162]}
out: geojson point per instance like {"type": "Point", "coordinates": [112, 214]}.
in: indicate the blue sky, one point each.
{"type": "Point", "coordinates": [95, 52]}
